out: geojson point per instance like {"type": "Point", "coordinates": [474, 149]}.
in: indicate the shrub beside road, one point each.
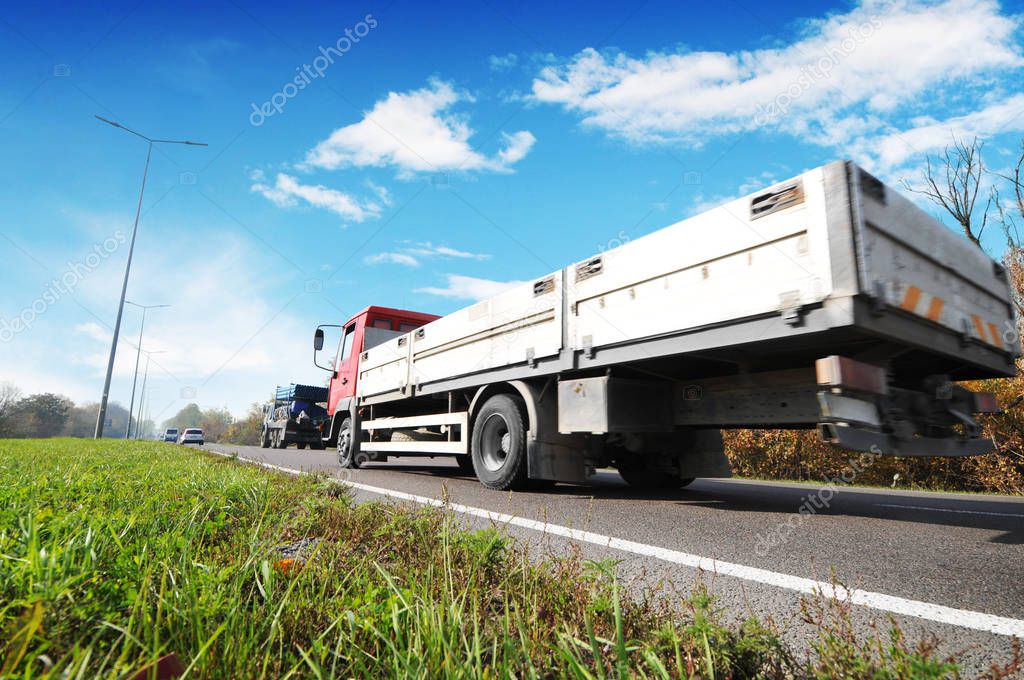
{"type": "Point", "coordinates": [115, 554]}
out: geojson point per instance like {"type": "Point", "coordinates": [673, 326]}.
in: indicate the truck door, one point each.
{"type": "Point", "coordinates": [347, 364]}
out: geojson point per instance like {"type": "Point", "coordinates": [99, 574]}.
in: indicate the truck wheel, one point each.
{"type": "Point", "coordinates": [345, 441]}
{"type": "Point", "coordinates": [265, 439]}
{"type": "Point", "coordinates": [640, 472]}
{"type": "Point", "coordinates": [499, 443]}
{"type": "Point", "coordinates": [300, 445]}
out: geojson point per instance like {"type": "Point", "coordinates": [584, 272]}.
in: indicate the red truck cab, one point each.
{"type": "Point", "coordinates": [365, 329]}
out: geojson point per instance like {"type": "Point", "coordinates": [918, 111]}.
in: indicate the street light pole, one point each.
{"type": "Point", "coordinates": [102, 415]}
{"type": "Point", "coordinates": [138, 351]}
{"type": "Point", "coordinates": [142, 398]}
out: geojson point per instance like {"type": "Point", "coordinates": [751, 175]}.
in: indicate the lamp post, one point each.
{"type": "Point", "coordinates": [138, 351]}
{"type": "Point", "coordinates": [142, 398]}
{"type": "Point", "coordinates": [102, 415]}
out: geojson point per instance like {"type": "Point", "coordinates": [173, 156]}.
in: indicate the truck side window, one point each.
{"type": "Point", "coordinates": [346, 343]}
{"type": "Point", "coordinates": [405, 326]}
{"type": "Point", "coordinates": [382, 323]}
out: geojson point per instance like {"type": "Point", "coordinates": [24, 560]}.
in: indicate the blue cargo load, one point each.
{"type": "Point", "coordinates": [308, 393]}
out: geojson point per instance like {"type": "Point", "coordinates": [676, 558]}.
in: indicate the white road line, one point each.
{"type": "Point", "coordinates": [961, 512]}
{"type": "Point", "coordinates": [962, 618]}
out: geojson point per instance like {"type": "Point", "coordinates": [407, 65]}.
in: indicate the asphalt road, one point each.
{"type": "Point", "coordinates": [943, 565]}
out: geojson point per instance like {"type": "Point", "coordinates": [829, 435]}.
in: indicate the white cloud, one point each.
{"type": "Point", "coordinates": [504, 62]}
{"type": "Point", "coordinates": [239, 323]}
{"type": "Point", "coordinates": [93, 330]}
{"type": "Point", "coordinates": [393, 258]}
{"type": "Point", "coordinates": [415, 131]}
{"type": "Point", "coordinates": [517, 145]}
{"type": "Point", "coordinates": [286, 191]}
{"type": "Point", "coordinates": [236, 293]}
{"type": "Point", "coordinates": [410, 255]}
{"type": "Point", "coordinates": [470, 288]}
{"type": "Point", "coordinates": [927, 134]}
{"type": "Point", "coordinates": [839, 79]}
{"type": "Point", "coordinates": [382, 193]}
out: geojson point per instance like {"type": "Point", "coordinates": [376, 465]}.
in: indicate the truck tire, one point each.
{"type": "Point", "coordinates": [499, 443]}
{"type": "Point", "coordinates": [465, 464]}
{"type": "Point", "coordinates": [300, 445]}
{"type": "Point", "coordinates": [265, 439]}
{"type": "Point", "coordinates": [345, 446]}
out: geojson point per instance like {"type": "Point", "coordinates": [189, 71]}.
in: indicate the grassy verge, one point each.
{"type": "Point", "coordinates": [114, 554]}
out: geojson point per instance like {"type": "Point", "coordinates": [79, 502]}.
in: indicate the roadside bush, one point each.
{"type": "Point", "coordinates": [800, 455]}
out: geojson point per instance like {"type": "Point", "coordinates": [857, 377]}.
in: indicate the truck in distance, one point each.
{"type": "Point", "coordinates": [827, 301]}
{"type": "Point", "coordinates": [294, 416]}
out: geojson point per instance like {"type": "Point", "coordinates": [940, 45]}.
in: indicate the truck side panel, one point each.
{"type": "Point", "coordinates": [385, 368]}
{"type": "Point", "coordinates": [515, 326]}
{"type": "Point", "coordinates": [832, 251]}
{"type": "Point", "coordinates": [723, 265]}
{"type": "Point", "coordinates": [518, 325]}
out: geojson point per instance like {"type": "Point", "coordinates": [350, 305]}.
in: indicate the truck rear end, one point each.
{"type": "Point", "coordinates": [296, 415]}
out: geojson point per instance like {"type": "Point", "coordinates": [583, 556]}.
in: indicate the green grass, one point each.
{"type": "Point", "coordinates": [113, 554]}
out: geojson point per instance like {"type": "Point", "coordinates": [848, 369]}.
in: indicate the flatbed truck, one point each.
{"type": "Point", "coordinates": [295, 416]}
{"type": "Point", "coordinates": [828, 301]}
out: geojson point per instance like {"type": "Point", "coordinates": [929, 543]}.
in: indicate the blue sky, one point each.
{"type": "Point", "coordinates": [438, 154]}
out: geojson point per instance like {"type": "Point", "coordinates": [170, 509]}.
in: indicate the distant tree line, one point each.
{"type": "Point", "coordinates": [54, 415]}
{"type": "Point", "coordinates": [247, 430]}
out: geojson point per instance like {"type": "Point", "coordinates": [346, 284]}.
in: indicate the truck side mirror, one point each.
{"type": "Point", "coordinates": [318, 339]}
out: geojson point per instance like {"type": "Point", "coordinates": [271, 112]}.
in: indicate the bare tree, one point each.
{"type": "Point", "coordinates": [1013, 256]}
{"type": "Point", "coordinates": [9, 396]}
{"type": "Point", "coordinates": [955, 185]}
{"type": "Point", "coordinates": [1008, 220]}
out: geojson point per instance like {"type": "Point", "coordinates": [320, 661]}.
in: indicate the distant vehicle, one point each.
{"type": "Point", "coordinates": [295, 416]}
{"type": "Point", "coordinates": [170, 435]}
{"type": "Point", "coordinates": [192, 435]}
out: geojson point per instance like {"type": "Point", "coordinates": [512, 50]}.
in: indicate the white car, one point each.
{"type": "Point", "coordinates": [170, 435]}
{"type": "Point", "coordinates": [192, 435]}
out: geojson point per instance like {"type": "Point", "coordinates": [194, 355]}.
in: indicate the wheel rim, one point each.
{"type": "Point", "coordinates": [344, 444]}
{"type": "Point", "coordinates": [495, 442]}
